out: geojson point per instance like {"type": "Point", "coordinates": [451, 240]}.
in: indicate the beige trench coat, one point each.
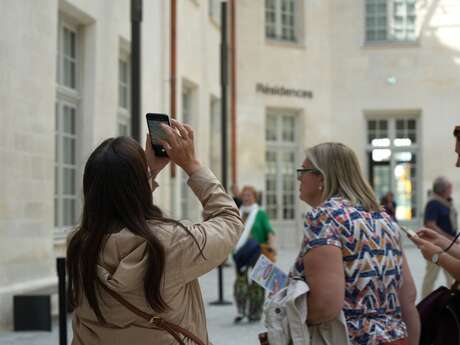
{"type": "Point", "coordinates": [123, 263]}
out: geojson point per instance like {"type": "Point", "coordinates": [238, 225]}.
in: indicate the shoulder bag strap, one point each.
{"type": "Point", "coordinates": [157, 321]}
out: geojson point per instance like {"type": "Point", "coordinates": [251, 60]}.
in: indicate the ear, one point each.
{"type": "Point", "coordinates": [320, 181]}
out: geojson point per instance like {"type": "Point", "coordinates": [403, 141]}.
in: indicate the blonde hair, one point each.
{"type": "Point", "coordinates": [342, 174]}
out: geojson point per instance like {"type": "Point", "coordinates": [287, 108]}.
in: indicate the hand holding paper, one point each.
{"type": "Point", "coordinates": [267, 275]}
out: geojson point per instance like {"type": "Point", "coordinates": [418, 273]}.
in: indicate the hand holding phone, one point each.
{"type": "Point", "coordinates": [410, 233]}
{"type": "Point", "coordinates": [180, 146]}
{"type": "Point", "coordinates": [154, 121]}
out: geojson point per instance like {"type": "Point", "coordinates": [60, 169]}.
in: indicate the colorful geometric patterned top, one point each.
{"type": "Point", "coordinates": [372, 261]}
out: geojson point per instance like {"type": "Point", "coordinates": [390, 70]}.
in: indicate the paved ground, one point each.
{"type": "Point", "coordinates": [222, 331]}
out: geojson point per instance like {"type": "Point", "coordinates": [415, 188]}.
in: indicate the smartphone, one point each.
{"type": "Point", "coordinates": [154, 121]}
{"type": "Point", "coordinates": [410, 233]}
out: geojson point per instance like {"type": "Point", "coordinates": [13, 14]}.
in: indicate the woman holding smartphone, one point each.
{"type": "Point", "coordinates": [133, 272]}
{"type": "Point", "coordinates": [435, 247]}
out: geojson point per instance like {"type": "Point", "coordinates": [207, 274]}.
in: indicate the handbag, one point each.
{"type": "Point", "coordinates": [247, 255]}
{"type": "Point", "coordinates": [174, 330]}
{"type": "Point", "coordinates": [440, 317]}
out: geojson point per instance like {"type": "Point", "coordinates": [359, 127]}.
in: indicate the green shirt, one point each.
{"type": "Point", "coordinates": [261, 227]}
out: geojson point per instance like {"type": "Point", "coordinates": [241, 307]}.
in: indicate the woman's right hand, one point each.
{"type": "Point", "coordinates": [433, 237]}
{"type": "Point", "coordinates": [427, 248]}
{"type": "Point", "coordinates": [180, 146]}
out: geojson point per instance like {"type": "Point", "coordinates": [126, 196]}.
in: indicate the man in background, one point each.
{"type": "Point", "coordinates": [440, 216]}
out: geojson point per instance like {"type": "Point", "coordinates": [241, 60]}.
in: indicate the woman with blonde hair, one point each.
{"type": "Point", "coordinates": [351, 255]}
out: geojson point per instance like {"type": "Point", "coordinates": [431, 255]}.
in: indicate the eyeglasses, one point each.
{"type": "Point", "coordinates": [303, 171]}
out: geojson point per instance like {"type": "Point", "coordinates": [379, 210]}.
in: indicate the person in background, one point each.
{"type": "Point", "coordinates": [258, 231]}
{"type": "Point", "coordinates": [351, 256]}
{"type": "Point", "coordinates": [389, 204]}
{"type": "Point", "coordinates": [436, 247]}
{"type": "Point", "coordinates": [440, 216]}
{"type": "Point", "coordinates": [127, 252]}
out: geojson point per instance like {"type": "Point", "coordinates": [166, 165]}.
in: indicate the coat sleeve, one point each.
{"type": "Point", "coordinates": [217, 234]}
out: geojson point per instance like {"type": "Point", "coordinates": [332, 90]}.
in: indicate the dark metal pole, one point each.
{"type": "Point", "coordinates": [233, 95]}
{"type": "Point", "coordinates": [223, 83]}
{"type": "Point", "coordinates": [136, 19]}
{"type": "Point", "coordinates": [173, 68]}
{"type": "Point", "coordinates": [61, 272]}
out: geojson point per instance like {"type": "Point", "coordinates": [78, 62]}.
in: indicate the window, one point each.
{"type": "Point", "coordinates": [215, 137]}
{"type": "Point", "coordinates": [67, 57]}
{"type": "Point", "coordinates": [65, 165]}
{"type": "Point", "coordinates": [393, 166]}
{"type": "Point", "coordinates": [390, 20]}
{"type": "Point", "coordinates": [66, 123]}
{"type": "Point", "coordinates": [214, 10]}
{"type": "Point", "coordinates": [280, 19]}
{"type": "Point", "coordinates": [123, 127]}
{"type": "Point", "coordinates": [184, 190]}
{"type": "Point", "coordinates": [66, 62]}
{"type": "Point", "coordinates": [281, 162]}
{"type": "Point", "coordinates": [124, 89]}
{"type": "Point", "coordinates": [123, 84]}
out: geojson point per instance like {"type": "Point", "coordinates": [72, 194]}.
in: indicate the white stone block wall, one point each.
{"type": "Point", "coordinates": [28, 46]}
{"type": "Point", "coordinates": [27, 73]}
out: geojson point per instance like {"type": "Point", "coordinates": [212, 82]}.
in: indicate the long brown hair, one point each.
{"type": "Point", "coordinates": [117, 195]}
